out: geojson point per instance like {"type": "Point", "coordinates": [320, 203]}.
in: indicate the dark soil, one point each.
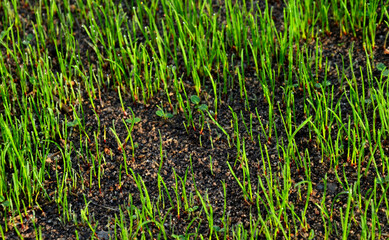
{"type": "Point", "coordinates": [191, 151]}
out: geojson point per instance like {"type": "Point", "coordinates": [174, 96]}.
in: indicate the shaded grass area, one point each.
{"type": "Point", "coordinates": [194, 119]}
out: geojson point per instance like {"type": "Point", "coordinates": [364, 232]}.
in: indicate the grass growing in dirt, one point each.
{"type": "Point", "coordinates": [178, 119]}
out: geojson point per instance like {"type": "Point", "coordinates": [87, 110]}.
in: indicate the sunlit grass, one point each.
{"type": "Point", "coordinates": [195, 54]}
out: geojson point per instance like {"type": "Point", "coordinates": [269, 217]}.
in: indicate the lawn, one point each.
{"type": "Point", "coordinates": [194, 119]}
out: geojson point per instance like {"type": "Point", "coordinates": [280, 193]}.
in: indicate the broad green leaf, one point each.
{"type": "Point", "coordinates": [160, 113]}
{"type": "Point", "coordinates": [28, 39]}
{"type": "Point", "coordinates": [383, 180]}
{"type": "Point", "coordinates": [326, 83]}
{"type": "Point", "coordinates": [5, 203]}
{"type": "Point", "coordinates": [2, 35]}
{"type": "Point", "coordinates": [203, 107]}
{"type": "Point", "coordinates": [195, 99]}
{"type": "Point", "coordinates": [193, 209]}
{"type": "Point", "coordinates": [381, 66]}
{"type": "Point", "coordinates": [133, 120]}
{"type": "Point", "coordinates": [74, 123]}
{"type": "Point", "coordinates": [216, 228]}
{"type": "Point", "coordinates": [179, 237]}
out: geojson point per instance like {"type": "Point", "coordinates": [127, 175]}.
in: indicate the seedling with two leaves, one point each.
{"type": "Point", "coordinates": [4, 203]}
{"type": "Point", "coordinates": [163, 114]}
{"type": "Point", "coordinates": [200, 108]}
{"type": "Point", "coordinates": [382, 68]}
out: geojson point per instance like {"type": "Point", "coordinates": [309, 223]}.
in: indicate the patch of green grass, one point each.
{"type": "Point", "coordinates": [58, 55]}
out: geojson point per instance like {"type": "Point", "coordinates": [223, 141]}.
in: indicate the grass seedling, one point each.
{"type": "Point", "coordinates": [214, 92]}
{"type": "Point", "coordinates": [81, 124]}
{"type": "Point", "coordinates": [160, 180]}
{"type": "Point", "coordinates": [160, 152]}
{"type": "Point", "coordinates": [208, 211]}
{"type": "Point", "coordinates": [184, 196]}
{"type": "Point", "coordinates": [249, 131]}
{"type": "Point", "coordinates": [210, 165]}
{"type": "Point", "coordinates": [178, 199]}
{"type": "Point", "coordinates": [120, 145]}
{"type": "Point", "coordinates": [268, 137]}
{"type": "Point", "coordinates": [133, 120]}
{"type": "Point", "coordinates": [221, 128]}
{"type": "Point", "coordinates": [121, 101]}
{"type": "Point", "coordinates": [234, 124]}
{"type": "Point", "coordinates": [246, 195]}
{"type": "Point", "coordinates": [144, 196]}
